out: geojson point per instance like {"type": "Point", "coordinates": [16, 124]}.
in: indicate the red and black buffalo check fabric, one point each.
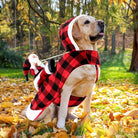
{"type": "Point", "coordinates": [26, 68]}
{"type": "Point", "coordinates": [50, 90]}
{"type": "Point", "coordinates": [63, 34]}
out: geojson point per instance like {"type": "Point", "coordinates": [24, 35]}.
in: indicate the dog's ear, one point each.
{"type": "Point", "coordinates": [76, 31]}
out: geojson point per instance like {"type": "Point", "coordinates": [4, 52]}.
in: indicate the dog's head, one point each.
{"type": "Point", "coordinates": [81, 32]}
{"type": "Point", "coordinates": [88, 28]}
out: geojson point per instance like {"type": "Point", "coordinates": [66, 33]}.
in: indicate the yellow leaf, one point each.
{"type": "Point", "coordinates": [102, 132]}
{"type": "Point", "coordinates": [83, 115]}
{"type": "Point", "coordinates": [89, 128]}
{"type": "Point", "coordinates": [38, 38]}
{"type": "Point", "coordinates": [28, 98]}
{"type": "Point", "coordinates": [48, 15]}
{"type": "Point", "coordinates": [61, 134]}
{"type": "Point", "coordinates": [6, 118]}
{"type": "Point", "coordinates": [110, 2]}
{"type": "Point", "coordinates": [115, 2]}
{"type": "Point", "coordinates": [120, 1]}
{"type": "Point", "coordinates": [38, 129]}
{"type": "Point", "coordinates": [6, 104]}
{"type": "Point", "coordinates": [45, 135]}
{"type": "Point", "coordinates": [35, 124]}
{"type": "Point", "coordinates": [98, 1]}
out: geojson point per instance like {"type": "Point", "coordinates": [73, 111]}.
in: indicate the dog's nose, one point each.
{"type": "Point", "coordinates": [101, 24]}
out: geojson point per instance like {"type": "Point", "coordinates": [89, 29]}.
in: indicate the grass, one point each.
{"type": "Point", "coordinates": [114, 68]}
{"type": "Point", "coordinates": [11, 73]}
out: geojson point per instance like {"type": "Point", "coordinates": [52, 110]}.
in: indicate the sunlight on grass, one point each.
{"type": "Point", "coordinates": [113, 67]}
{"type": "Point", "coordinates": [116, 68]}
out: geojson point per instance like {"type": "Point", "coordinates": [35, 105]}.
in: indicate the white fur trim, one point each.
{"type": "Point", "coordinates": [70, 31]}
{"type": "Point", "coordinates": [31, 58]}
{"type": "Point", "coordinates": [35, 69]}
{"type": "Point", "coordinates": [39, 63]}
{"type": "Point", "coordinates": [47, 69]}
{"type": "Point", "coordinates": [32, 114]}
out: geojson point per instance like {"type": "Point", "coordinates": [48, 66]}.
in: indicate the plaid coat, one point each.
{"type": "Point", "coordinates": [50, 90]}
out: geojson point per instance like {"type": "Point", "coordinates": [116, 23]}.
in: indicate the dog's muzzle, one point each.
{"type": "Point", "coordinates": [101, 25]}
{"type": "Point", "coordinates": [100, 34]}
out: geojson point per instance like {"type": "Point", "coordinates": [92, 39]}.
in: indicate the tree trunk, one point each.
{"type": "Point", "coordinates": [62, 8]}
{"type": "Point", "coordinates": [46, 43]}
{"type": "Point", "coordinates": [113, 52]}
{"type": "Point", "coordinates": [124, 34]}
{"type": "Point", "coordinates": [106, 36]}
{"type": "Point", "coordinates": [30, 33]}
{"type": "Point", "coordinates": [106, 41]}
{"type": "Point", "coordinates": [78, 8]}
{"type": "Point", "coordinates": [134, 60]}
{"type": "Point", "coordinates": [72, 3]}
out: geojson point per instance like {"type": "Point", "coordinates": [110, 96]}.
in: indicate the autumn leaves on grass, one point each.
{"type": "Point", "coordinates": [114, 113]}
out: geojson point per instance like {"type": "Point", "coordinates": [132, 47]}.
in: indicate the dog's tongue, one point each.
{"type": "Point", "coordinates": [101, 33]}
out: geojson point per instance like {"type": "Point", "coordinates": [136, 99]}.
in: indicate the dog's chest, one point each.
{"type": "Point", "coordinates": [81, 80]}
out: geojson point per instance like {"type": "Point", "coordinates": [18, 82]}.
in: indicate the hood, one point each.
{"type": "Point", "coordinates": [65, 34]}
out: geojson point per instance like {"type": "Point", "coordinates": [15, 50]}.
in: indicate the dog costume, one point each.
{"type": "Point", "coordinates": [50, 89]}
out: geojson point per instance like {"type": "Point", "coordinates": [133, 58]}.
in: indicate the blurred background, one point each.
{"type": "Point", "coordinates": [31, 26]}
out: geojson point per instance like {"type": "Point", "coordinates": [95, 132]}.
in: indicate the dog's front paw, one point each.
{"type": "Point", "coordinates": [61, 124]}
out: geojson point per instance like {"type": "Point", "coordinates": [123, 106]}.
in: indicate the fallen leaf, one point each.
{"type": "Point", "coordinates": [114, 127]}
{"type": "Point", "coordinates": [118, 116]}
{"type": "Point", "coordinates": [132, 113]}
{"type": "Point", "coordinates": [6, 118]}
{"type": "Point", "coordinates": [13, 129]}
{"type": "Point", "coordinates": [61, 134]}
{"type": "Point", "coordinates": [73, 128]}
{"type": "Point", "coordinates": [111, 116]}
{"type": "Point", "coordinates": [89, 128]}
{"type": "Point", "coordinates": [6, 104]}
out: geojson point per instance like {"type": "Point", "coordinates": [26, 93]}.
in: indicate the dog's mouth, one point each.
{"type": "Point", "coordinates": [97, 37]}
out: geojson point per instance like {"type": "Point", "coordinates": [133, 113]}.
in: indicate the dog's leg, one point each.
{"type": "Point", "coordinates": [62, 113]}
{"type": "Point", "coordinates": [87, 104]}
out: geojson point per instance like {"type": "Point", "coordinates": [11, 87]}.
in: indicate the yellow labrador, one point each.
{"type": "Point", "coordinates": [86, 31]}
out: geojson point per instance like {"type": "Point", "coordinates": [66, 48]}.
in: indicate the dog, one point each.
{"type": "Point", "coordinates": [86, 32]}
{"type": "Point", "coordinates": [76, 73]}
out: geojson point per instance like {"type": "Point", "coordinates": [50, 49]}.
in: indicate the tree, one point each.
{"type": "Point", "coordinates": [133, 6]}
{"type": "Point", "coordinates": [41, 10]}
{"type": "Point", "coordinates": [134, 61]}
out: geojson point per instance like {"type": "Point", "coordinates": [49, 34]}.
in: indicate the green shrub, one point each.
{"type": "Point", "coordinates": [9, 58]}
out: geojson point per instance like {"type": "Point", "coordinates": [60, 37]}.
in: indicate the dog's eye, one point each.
{"type": "Point", "coordinates": [87, 22]}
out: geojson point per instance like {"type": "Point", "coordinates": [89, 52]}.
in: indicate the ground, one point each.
{"type": "Point", "coordinates": [114, 112]}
